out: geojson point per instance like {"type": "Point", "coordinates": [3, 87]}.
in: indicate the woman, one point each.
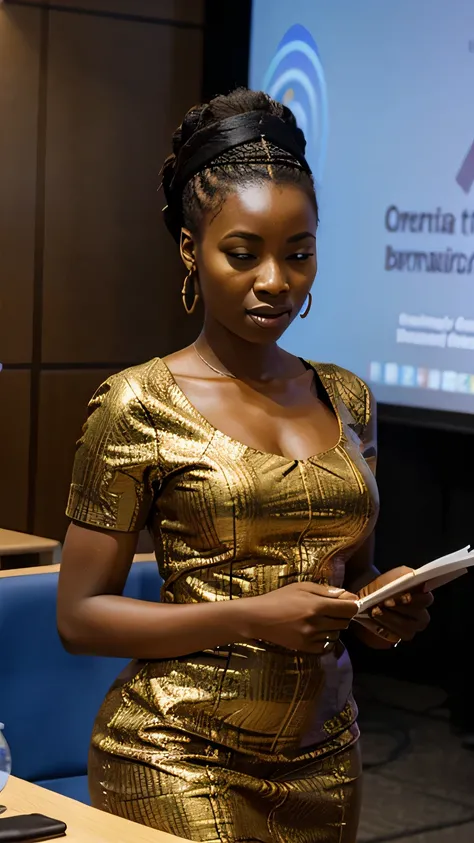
{"type": "Point", "coordinates": [254, 471]}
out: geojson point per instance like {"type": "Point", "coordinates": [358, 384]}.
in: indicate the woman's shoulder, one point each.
{"type": "Point", "coordinates": [143, 382]}
{"type": "Point", "coordinates": [350, 388]}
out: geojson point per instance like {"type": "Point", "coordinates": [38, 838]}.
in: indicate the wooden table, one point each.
{"type": "Point", "coordinates": [16, 544]}
{"type": "Point", "coordinates": [84, 824]}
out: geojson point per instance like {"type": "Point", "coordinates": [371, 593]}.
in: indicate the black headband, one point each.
{"type": "Point", "coordinates": [208, 143]}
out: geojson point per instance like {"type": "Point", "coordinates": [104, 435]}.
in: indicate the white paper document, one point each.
{"type": "Point", "coordinates": [436, 573]}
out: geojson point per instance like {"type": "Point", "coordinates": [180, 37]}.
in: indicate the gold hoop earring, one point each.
{"type": "Point", "coordinates": [184, 292]}
{"type": "Point", "coordinates": [310, 302]}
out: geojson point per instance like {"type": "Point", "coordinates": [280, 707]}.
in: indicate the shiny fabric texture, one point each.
{"type": "Point", "coordinates": [206, 793]}
{"type": "Point", "coordinates": [229, 522]}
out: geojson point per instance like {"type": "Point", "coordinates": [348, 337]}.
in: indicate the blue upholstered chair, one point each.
{"type": "Point", "coordinates": [48, 698]}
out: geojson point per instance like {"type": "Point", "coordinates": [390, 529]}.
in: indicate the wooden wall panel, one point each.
{"type": "Point", "coordinates": [116, 91]}
{"type": "Point", "coordinates": [19, 77]}
{"type": "Point", "coordinates": [110, 281]}
{"type": "Point", "coordinates": [14, 448]}
{"type": "Point", "coordinates": [64, 396]}
{"type": "Point", "coordinates": [177, 10]}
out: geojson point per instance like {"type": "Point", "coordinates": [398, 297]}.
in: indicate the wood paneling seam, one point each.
{"type": "Point", "coordinates": [102, 13]}
{"type": "Point", "coordinates": [38, 267]}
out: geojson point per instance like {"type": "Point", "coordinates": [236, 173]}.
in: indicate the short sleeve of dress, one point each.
{"type": "Point", "coordinates": [368, 434]}
{"type": "Point", "coordinates": [112, 476]}
{"type": "Point", "coordinates": [362, 407]}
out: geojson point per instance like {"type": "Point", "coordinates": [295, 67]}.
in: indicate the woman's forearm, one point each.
{"type": "Point", "coordinates": [360, 579]}
{"type": "Point", "coordinates": [360, 568]}
{"type": "Point", "coordinates": [360, 571]}
{"type": "Point", "coordinates": [370, 638]}
{"type": "Point", "coordinates": [111, 625]}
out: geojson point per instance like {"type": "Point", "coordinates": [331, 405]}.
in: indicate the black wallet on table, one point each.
{"type": "Point", "coordinates": [30, 828]}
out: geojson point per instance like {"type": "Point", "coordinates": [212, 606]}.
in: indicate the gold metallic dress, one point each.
{"type": "Point", "coordinates": [249, 743]}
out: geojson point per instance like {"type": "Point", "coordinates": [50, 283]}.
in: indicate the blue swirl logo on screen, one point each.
{"type": "Point", "coordinates": [295, 77]}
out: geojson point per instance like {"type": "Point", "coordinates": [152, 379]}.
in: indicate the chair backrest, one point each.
{"type": "Point", "coordinates": [48, 698]}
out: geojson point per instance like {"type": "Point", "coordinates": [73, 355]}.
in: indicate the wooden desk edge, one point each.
{"type": "Point", "coordinates": [12, 542]}
{"type": "Point", "coordinates": [24, 572]}
{"type": "Point", "coordinates": [84, 823]}
{"type": "Point", "coordinates": [53, 569]}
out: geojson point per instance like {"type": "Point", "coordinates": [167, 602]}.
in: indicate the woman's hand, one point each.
{"type": "Point", "coordinates": [397, 618]}
{"type": "Point", "coordinates": [302, 616]}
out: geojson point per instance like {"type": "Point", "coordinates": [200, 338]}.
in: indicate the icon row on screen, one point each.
{"type": "Point", "coordinates": [394, 374]}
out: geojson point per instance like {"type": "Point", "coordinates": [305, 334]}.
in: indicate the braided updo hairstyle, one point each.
{"type": "Point", "coordinates": [249, 163]}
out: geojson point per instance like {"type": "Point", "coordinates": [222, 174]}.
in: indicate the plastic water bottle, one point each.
{"type": "Point", "coordinates": [5, 760]}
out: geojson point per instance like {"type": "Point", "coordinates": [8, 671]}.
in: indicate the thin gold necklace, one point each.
{"type": "Point", "coordinates": [213, 368]}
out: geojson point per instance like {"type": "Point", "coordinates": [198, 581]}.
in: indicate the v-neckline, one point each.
{"type": "Point", "coordinates": [225, 436]}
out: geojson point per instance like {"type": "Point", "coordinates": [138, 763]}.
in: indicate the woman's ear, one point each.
{"type": "Point", "coordinates": [187, 249]}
